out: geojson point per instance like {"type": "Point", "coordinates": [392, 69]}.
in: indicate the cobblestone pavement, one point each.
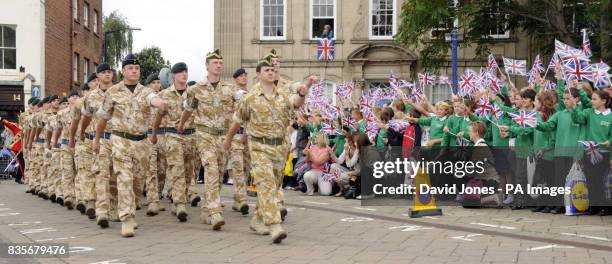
{"type": "Point", "coordinates": [321, 230]}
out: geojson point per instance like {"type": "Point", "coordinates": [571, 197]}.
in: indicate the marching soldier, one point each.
{"type": "Point", "coordinates": [238, 153]}
{"type": "Point", "coordinates": [56, 172]}
{"type": "Point", "coordinates": [213, 101]}
{"type": "Point", "coordinates": [66, 153]}
{"type": "Point", "coordinates": [127, 106]}
{"type": "Point", "coordinates": [266, 113]}
{"type": "Point", "coordinates": [25, 123]}
{"type": "Point", "coordinates": [35, 167]}
{"type": "Point", "coordinates": [176, 148]}
{"type": "Point", "coordinates": [46, 133]}
{"type": "Point", "coordinates": [153, 182]}
{"type": "Point", "coordinates": [85, 179]}
{"type": "Point", "coordinates": [105, 183]}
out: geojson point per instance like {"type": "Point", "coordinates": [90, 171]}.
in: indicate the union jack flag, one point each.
{"type": "Point", "coordinates": [515, 67]}
{"type": "Point", "coordinates": [600, 75]}
{"type": "Point", "coordinates": [550, 85]}
{"type": "Point", "coordinates": [345, 90]}
{"type": "Point", "coordinates": [326, 49]}
{"type": "Point", "coordinates": [443, 80]}
{"type": "Point", "coordinates": [591, 148]}
{"type": "Point", "coordinates": [462, 142]}
{"type": "Point", "coordinates": [578, 70]}
{"type": "Point", "coordinates": [417, 94]}
{"type": "Point", "coordinates": [316, 90]}
{"type": "Point", "coordinates": [398, 125]}
{"type": "Point", "coordinates": [494, 83]}
{"type": "Point", "coordinates": [371, 130]}
{"type": "Point", "coordinates": [492, 63]}
{"type": "Point", "coordinates": [553, 61]}
{"type": "Point", "coordinates": [485, 107]}
{"type": "Point", "coordinates": [330, 112]}
{"type": "Point", "coordinates": [526, 119]}
{"type": "Point", "coordinates": [538, 64]}
{"type": "Point", "coordinates": [586, 43]}
{"type": "Point", "coordinates": [348, 121]}
{"type": "Point", "coordinates": [532, 77]}
{"type": "Point", "coordinates": [426, 78]}
{"type": "Point", "coordinates": [567, 53]}
{"type": "Point", "coordinates": [497, 112]}
{"type": "Point", "coordinates": [467, 83]}
{"type": "Point", "coordinates": [329, 130]}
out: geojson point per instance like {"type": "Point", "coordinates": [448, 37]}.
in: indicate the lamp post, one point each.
{"type": "Point", "coordinates": [110, 32]}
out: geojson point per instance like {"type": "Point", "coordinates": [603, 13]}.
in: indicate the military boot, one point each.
{"type": "Point", "coordinates": [258, 226]}
{"type": "Point", "coordinates": [278, 233]}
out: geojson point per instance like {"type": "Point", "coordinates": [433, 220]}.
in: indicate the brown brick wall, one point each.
{"type": "Point", "coordinates": [66, 36]}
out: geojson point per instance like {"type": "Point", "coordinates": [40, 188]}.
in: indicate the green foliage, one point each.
{"type": "Point", "coordinates": [120, 41]}
{"type": "Point", "coordinates": [151, 60]}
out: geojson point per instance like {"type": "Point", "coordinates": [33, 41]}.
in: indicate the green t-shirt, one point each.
{"type": "Point", "coordinates": [339, 141]}
{"type": "Point", "coordinates": [567, 133]}
{"type": "Point", "coordinates": [436, 127]}
{"type": "Point", "coordinates": [380, 139]}
{"type": "Point", "coordinates": [313, 132]}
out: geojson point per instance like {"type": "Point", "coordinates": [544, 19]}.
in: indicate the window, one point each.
{"type": "Point", "coordinates": [498, 20]}
{"type": "Point", "coordinates": [75, 67]}
{"type": "Point", "coordinates": [449, 24]}
{"type": "Point", "coordinates": [95, 21]}
{"type": "Point", "coordinates": [85, 69]}
{"type": "Point", "coordinates": [273, 19]}
{"type": "Point", "coordinates": [385, 86]}
{"type": "Point", "coordinates": [382, 19]}
{"type": "Point", "coordinates": [323, 13]}
{"type": "Point", "coordinates": [8, 48]}
{"type": "Point", "coordinates": [439, 92]}
{"type": "Point", "coordinates": [86, 15]}
{"type": "Point", "coordinates": [75, 10]}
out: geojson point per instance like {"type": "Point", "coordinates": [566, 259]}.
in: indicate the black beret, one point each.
{"type": "Point", "coordinates": [239, 72]}
{"type": "Point", "coordinates": [64, 99]}
{"type": "Point", "coordinates": [85, 87]}
{"type": "Point", "coordinates": [36, 101]}
{"type": "Point", "coordinates": [129, 59]}
{"type": "Point", "coordinates": [40, 103]}
{"type": "Point", "coordinates": [73, 93]}
{"type": "Point", "coordinates": [191, 83]}
{"type": "Point", "coordinates": [45, 100]}
{"type": "Point", "coordinates": [92, 77]}
{"type": "Point", "coordinates": [31, 100]}
{"type": "Point", "coordinates": [179, 67]}
{"type": "Point", "coordinates": [103, 67]}
{"type": "Point", "coordinates": [152, 77]}
{"type": "Point", "coordinates": [53, 98]}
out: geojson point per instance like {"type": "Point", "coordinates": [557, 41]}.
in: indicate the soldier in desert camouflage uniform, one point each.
{"type": "Point", "coordinates": [127, 107]}
{"type": "Point", "coordinates": [56, 162]}
{"type": "Point", "coordinates": [266, 113]}
{"type": "Point", "coordinates": [156, 169]}
{"type": "Point", "coordinates": [62, 135]}
{"type": "Point", "coordinates": [49, 166]}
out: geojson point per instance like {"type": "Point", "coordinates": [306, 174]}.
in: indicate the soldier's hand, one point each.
{"type": "Point", "coordinates": [227, 144]}
{"type": "Point", "coordinates": [96, 146]}
{"type": "Point", "coordinates": [153, 139]}
{"type": "Point", "coordinates": [303, 90]}
{"type": "Point", "coordinates": [181, 128]}
{"type": "Point", "coordinates": [71, 143]}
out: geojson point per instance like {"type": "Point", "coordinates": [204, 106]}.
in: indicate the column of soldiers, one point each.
{"type": "Point", "coordinates": [99, 150]}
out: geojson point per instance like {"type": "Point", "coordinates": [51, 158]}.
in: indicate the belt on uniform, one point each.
{"type": "Point", "coordinates": [89, 136]}
{"type": "Point", "coordinates": [64, 141]}
{"type": "Point", "coordinates": [40, 140]}
{"type": "Point", "coordinates": [129, 136]}
{"type": "Point", "coordinates": [268, 141]}
{"type": "Point", "coordinates": [241, 131]}
{"type": "Point", "coordinates": [211, 130]}
{"type": "Point", "coordinates": [106, 135]}
{"type": "Point", "coordinates": [187, 131]}
{"type": "Point", "coordinates": [159, 131]}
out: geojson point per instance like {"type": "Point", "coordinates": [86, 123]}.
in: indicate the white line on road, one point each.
{"type": "Point", "coordinates": [409, 228]}
{"type": "Point", "coordinates": [364, 208]}
{"type": "Point", "coordinates": [319, 203]}
{"type": "Point", "coordinates": [25, 223]}
{"type": "Point", "coordinates": [37, 230]}
{"type": "Point", "coordinates": [495, 226]}
{"type": "Point", "coordinates": [587, 236]}
{"type": "Point", "coordinates": [9, 214]}
{"type": "Point", "coordinates": [54, 239]}
{"type": "Point", "coordinates": [356, 219]}
{"type": "Point", "coordinates": [547, 247]}
{"type": "Point", "coordinates": [466, 237]}
{"type": "Point", "coordinates": [112, 261]}
{"type": "Point", "coordinates": [5, 209]}
{"type": "Point", "coordinates": [430, 217]}
{"type": "Point", "coordinates": [80, 249]}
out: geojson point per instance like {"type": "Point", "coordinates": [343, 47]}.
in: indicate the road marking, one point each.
{"type": "Point", "coordinates": [519, 220]}
{"type": "Point", "coordinates": [586, 236]}
{"type": "Point", "coordinates": [547, 247]}
{"type": "Point", "coordinates": [467, 237]}
{"type": "Point", "coordinates": [25, 223]}
{"type": "Point", "coordinates": [356, 219]}
{"type": "Point", "coordinates": [54, 239]}
{"type": "Point", "coordinates": [112, 261]}
{"type": "Point", "coordinates": [495, 226]}
{"type": "Point", "coordinates": [364, 208]}
{"type": "Point", "coordinates": [430, 217]}
{"type": "Point", "coordinates": [9, 214]}
{"type": "Point", "coordinates": [409, 228]}
{"type": "Point", "coordinates": [37, 230]}
{"type": "Point", "coordinates": [5, 209]}
{"type": "Point", "coordinates": [80, 249]}
{"type": "Point", "coordinates": [312, 202]}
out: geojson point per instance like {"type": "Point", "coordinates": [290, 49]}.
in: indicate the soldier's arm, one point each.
{"type": "Point", "coordinates": [49, 135]}
{"type": "Point", "coordinates": [189, 105]}
{"type": "Point", "coordinates": [85, 121]}
{"type": "Point", "coordinates": [56, 134]}
{"type": "Point", "coordinates": [100, 127]}
{"type": "Point", "coordinates": [156, 124]}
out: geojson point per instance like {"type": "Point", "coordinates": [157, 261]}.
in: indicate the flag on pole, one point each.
{"type": "Point", "coordinates": [329, 130]}
{"type": "Point", "coordinates": [586, 43]}
{"type": "Point", "coordinates": [398, 125]}
{"type": "Point", "coordinates": [526, 119]}
{"type": "Point", "coordinates": [494, 83]}
{"type": "Point", "coordinates": [326, 49]}
{"type": "Point", "coordinates": [345, 90]}
{"type": "Point", "coordinates": [492, 64]}
{"type": "Point", "coordinates": [578, 70]}
{"type": "Point", "coordinates": [601, 76]}
{"type": "Point", "coordinates": [426, 78]}
{"type": "Point", "coordinates": [443, 80]}
{"type": "Point", "coordinates": [591, 148]}
{"type": "Point", "coordinates": [485, 107]}
{"type": "Point", "coordinates": [467, 83]}
{"type": "Point", "coordinates": [538, 64]}
{"type": "Point", "coordinates": [515, 67]}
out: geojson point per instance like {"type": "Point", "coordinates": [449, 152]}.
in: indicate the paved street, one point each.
{"type": "Point", "coordinates": [321, 230]}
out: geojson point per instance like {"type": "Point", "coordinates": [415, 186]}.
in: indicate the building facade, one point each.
{"type": "Point", "coordinates": [46, 47]}
{"type": "Point", "coordinates": [246, 30]}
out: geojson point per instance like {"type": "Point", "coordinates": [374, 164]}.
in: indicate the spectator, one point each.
{"type": "Point", "coordinates": [319, 155]}
{"type": "Point", "coordinates": [328, 33]}
{"type": "Point", "coordinates": [347, 165]}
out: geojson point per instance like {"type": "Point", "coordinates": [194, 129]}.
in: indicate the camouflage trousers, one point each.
{"type": "Point", "coordinates": [68, 173]}
{"type": "Point", "coordinates": [180, 159]}
{"type": "Point", "coordinates": [268, 162]}
{"type": "Point", "coordinates": [46, 170]}
{"type": "Point", "coordinates": [78, 193]}
{"type": "Point", "coordinates": [55, 176]}
{"type": "Point", "coordinates": [158, 165]}
{"type": "Point", "coordinates": [85, 172]}
{"type": "Point", "coordinates": [238, 153]}
{"type": "Point", "coordinates": [212, 156]}
{"type": "Point", "coordinates": [106, 182]}
{"type": "Point", "coordinates": [32, 168]}
{"type": "Point", "coordinates": [130, 159]}
{"type": "Point", "coordinates": [26, 164]}
{"type": "Point", "coordinates": [151, 176]}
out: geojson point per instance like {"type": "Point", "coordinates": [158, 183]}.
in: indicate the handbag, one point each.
{"type": "Point", "coordinates": [289, 166]}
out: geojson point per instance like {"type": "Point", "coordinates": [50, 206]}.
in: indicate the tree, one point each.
{"type": "Point", "coordinates": [541, 20]}
{"type": "Point", "coordinates": [119, 41]}
{"type": "Point", "coordinates": [151, 61]}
